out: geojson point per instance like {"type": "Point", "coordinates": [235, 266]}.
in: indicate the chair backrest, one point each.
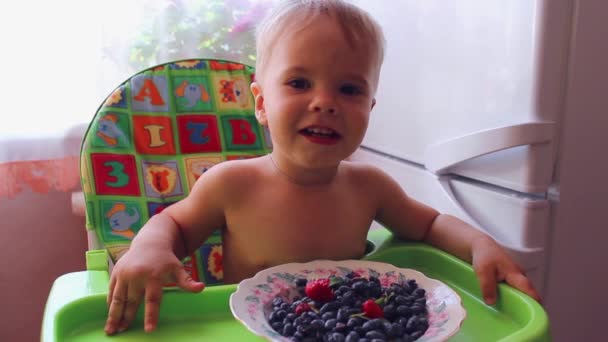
{"type": "Point", "coordinates": [154, 136]}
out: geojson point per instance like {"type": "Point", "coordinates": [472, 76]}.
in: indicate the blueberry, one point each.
{"type": "Point", "coordinates": [396, 289]}
{"type": "Point", "coordinates": [419, 292]}
{"type": "Point", "coordinates": [412, 324]}
{"type": "Point", "coordinates": [330, 323]}
{"type": "Point", "coordinates": [402, 321]}
{"type": "Point", "coordinates": [317, 324]}
{"type": "Point", "coordinates": [396, 330]}
{"type": "Point", "coordinates": [360, 287]}
{"type": "Point", "coordinates": [375, 291]}
{"type": "Point", "coordinates": [375, 334]}
{"type": "Point", "coordinates": [328, 315]}
{"type": "Point", "coordinates": [404, 311]}
{"type": "Point", "coordinates": [417, 308]}
{"type": "Point", "coordinates": [403, 300]}
{"type": "Point", "coordinates": [310, 314]}
{"type": "Point", "coordinates": [406, 289]}
{"type": "Point", "coordinates": [280, 315]}
{"type": "Point", "coordinates": [331, 306]}
{"type": "Point", "coordinates": [288, 330]}
{"type": "Point", "coordinates": [341, 328]}
{"type": "Point", "coordinates": [345, 289]}
{"type": "Point", "coordinates": [423, 322]}
{"type": "Point", "coordinates": [336, 337]}
{"type": "Point", "coordinates": [407, 338]}
{"type": "Point", "coordinates": [277, 326]}
{"type": "Point", "coordinates": [343, 315]}
{"type": "Point", "coordinates": [373, 324]}
{"type": "Point", "coordinates": [277, 301]}
{"type": "Point", "coordinates": [301, 282]}
{"type": "Point", "coordinates": [354, 322]}
{"type": "Point", "coordinates": [352, 337]}
{"type": "Point", "coordinates": [389, 311]}
{"type": "Point", "coordinates": [416, 334]}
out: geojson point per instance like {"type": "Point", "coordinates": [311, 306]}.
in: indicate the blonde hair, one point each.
{"type": "Point", "coordinates": [358, 25]}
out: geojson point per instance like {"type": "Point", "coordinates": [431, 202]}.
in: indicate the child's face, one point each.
{"type": "Point", "coordinates": [316, 94]}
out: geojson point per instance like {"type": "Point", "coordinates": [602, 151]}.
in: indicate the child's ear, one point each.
{"type": "Point", "coordinates": [260, 112]}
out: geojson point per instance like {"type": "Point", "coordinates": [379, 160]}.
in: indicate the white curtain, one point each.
{"type": "Point", "coordinates": [61, 58]}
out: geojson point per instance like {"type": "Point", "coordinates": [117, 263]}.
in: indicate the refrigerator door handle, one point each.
{"type": "Point", "coordinates": [441, 156]}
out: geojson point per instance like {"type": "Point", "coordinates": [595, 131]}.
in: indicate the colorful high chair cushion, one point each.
{"type": "Point", "coordinates": [154, 136]}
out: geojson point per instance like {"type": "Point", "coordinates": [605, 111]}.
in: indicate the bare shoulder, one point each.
{"type": "Point", "coordinates": [364, 173]}
{"type": "Point", "coordinates": [233, 174]}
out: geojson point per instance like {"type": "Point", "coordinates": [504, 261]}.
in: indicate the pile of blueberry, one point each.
{"type": "Point", "coordinates": [351, 308]}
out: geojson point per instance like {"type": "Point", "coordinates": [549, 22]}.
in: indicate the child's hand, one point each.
{"type": "Point", "coordinates": [492, 264]}
{"type": "Point", "coordinates": [141, 274]}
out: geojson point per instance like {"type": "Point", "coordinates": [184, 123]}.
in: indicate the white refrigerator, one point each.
{"type": "Point", "coordinates": [496, 111]}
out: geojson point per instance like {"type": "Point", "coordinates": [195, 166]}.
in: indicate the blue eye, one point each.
{"type": "Point", "coordinates": [350, 90]}
{"type": "Point", "coordinates": [299, 84]}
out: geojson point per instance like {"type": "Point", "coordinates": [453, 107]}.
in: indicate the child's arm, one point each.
{"type": "Point", "coordinates": [153, 258]}
{"type": "Point", "coordinates": [412, 220]}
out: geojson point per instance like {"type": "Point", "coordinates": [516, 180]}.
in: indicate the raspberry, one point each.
{"type": "Point", "coordinates": [371, 309]}
{"type": "Point", "coordinates": [302, 307]}
{"type": "Point", "coordinates": [319, 290]}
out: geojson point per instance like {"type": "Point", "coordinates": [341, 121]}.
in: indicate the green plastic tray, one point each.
{"type": "Point", "coordinates": [76, 308]}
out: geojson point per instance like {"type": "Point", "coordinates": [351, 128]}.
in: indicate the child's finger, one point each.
{"type": "Point", "coordinates": [487, 282]}
{"type": "Point", "coordinates": [185, 281]}
{"type": "Point", "coordinates": [111, 290]}
{"type": "Point", "coordinates": [117, 304]}
{"type": "Point", "coordinates": [153, 297]}
{"type": "Point", "coordinates": [134, 296]}
{"type": "Point", "coordinates": [522, 283]}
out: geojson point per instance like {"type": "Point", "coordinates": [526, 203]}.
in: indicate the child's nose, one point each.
{"type": "Point", "coordinates": [323, 104]}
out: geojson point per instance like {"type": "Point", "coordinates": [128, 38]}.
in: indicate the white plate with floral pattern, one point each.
{"type": "Point", "coordinates": [251, 301]}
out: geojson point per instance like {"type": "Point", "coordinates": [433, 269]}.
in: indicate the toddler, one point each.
{"type": "Point", "coordinates": [318, 64]}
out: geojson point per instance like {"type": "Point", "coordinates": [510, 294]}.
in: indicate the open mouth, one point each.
{"type": "Point", "coordinates": [321, 135]}
{"type": "Point", "coordinates": [320, 132]}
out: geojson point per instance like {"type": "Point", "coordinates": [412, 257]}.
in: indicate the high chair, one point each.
{"type": "Point", "coordinates": [149, 141]}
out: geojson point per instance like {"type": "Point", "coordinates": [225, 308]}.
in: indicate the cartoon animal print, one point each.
{"type": "Point", "coordinates": [161, 178]}
{"type": "Point", "coordinates": [121, 220]}
{"type": "Point", "coordinates": [192, 93]}
{"type": "Point", "coordinates": [234, 91]}
{"type": "Point", "coordinates": [200, 167]}
{"type": "Point", "coordinates": [215, 262]}
{"type": "Point", "coordinates": [109, 131]}
{"type": "Point", "coordinates": [115, 98]}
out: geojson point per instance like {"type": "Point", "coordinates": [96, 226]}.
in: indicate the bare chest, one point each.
{"type": "Point", "coordinates": [281, 226]}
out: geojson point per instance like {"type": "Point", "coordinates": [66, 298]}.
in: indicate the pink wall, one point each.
{"type": "Point", "coordinates": [40, 239]}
